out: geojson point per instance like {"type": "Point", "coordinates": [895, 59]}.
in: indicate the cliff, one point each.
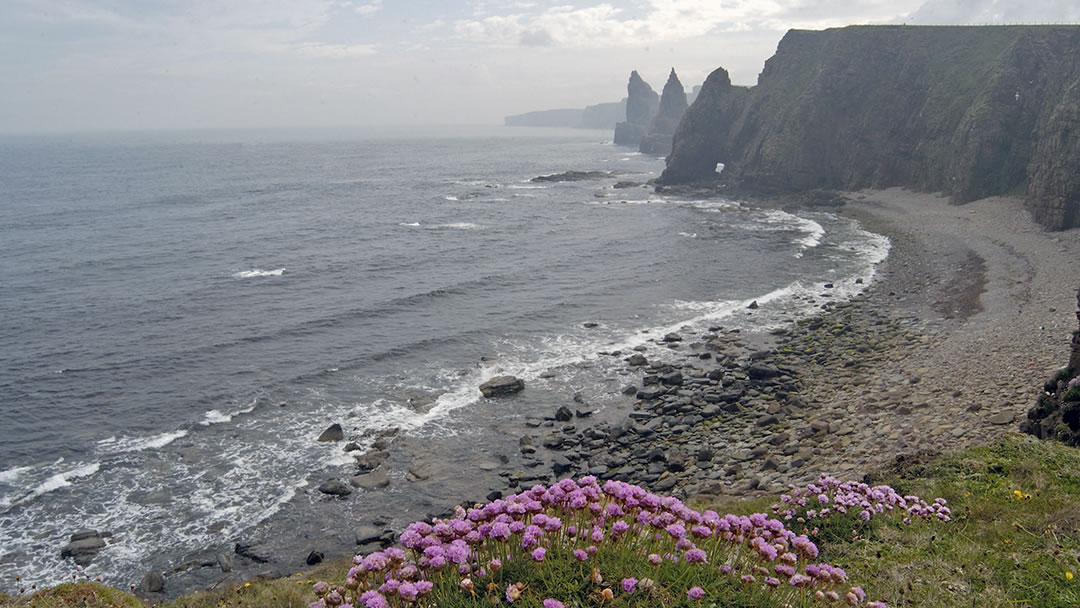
{"type": "Point", "coordinates": [969, 111]}
{"type": "Point", "coordinates": [672, 107]}
{"type": "Point", "coordinates": [642, 104]}
{"type": "Point", "coordinates": [599, 116]}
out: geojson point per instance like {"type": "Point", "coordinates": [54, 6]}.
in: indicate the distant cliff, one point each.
{"type": "Point", "coordinates": [968, 111]}
{"type": "Point", "coordinates": [599, 116]}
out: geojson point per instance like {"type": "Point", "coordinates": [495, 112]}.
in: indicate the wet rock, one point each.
{"type": "Point", "coordinates": [672, 379]}
{"type": "Point", "coordinates": [629, 389]}
{"type": "Point", "coordinates": [561, 465]}
{"type": "Point", "coordinates": [334, 432]}
{"type": "Point", "coordinates": [371, 481]}
{"type": "Point", "coordinates": [648, 394]}
{"type": "Point", "coordinates": [753, 305]}
{"type": "Point", "coordinates": [335, 487]}
{"type": "Point", "coordinates": [672, 337]}
{"type": "Point", "coordinates": [501, 386]}
{"type": "Point", "coordinates": [563, 414]}
{"type": "Point", "coordinates": [315, 557]}
{"type": "Point", "coordinates": [84, 545]}
{"type": "Point", "coordinates": [371, 460]}
{"type": "Point", "coordinates": [420, 470]}
{"type": "Point", "coordinates": [637, 360]}
{"type": "Point", "coordinates": [152, 582]}
{"type": "Point", "coordinates": [762, 371]}
{"type": "Point", "coordinates": [368, 534]}
{"type": "Point", "coordinates": [249, 551]}
{"type": "Point", "coordinates": [225, 562]}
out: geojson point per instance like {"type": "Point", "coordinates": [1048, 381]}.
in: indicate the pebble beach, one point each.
{"type": "Point", "coordinates": [947, 348]}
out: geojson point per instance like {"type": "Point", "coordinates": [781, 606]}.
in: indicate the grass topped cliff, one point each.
{"type": "Point", "coordinates": [1014, 540]}
{"type": "Point", "coordinates": [971, 111]}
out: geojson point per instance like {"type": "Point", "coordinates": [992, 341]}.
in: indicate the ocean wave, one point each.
{"type": "Point", "coordinates": [449, 197]}
{"type": "Point", "coordinates": [256, 272]}
{"type": "Point", "coordinates": [55, 482]}
{"type": "Point", "coordinates": [13, 474]}
{"type": "Point", "coordinates": [138, 444]}
{"type": "Point", "coordinates": [219, 417]}
{"type": "Point", "coordinates": [454, 226]}
{"type": "Point", "coordinates": [410, 224]}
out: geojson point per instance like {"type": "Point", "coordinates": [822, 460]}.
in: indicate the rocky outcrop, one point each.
{"type": "Point", "coordinates": [1056, 414]}
{"type": "Point", "coordinates": [642, 104]}
{"type": "Point", "coordinates": [969, 111]}
{"type": "Point", "coordinates": [672, 107]}
{"type": "Point", "coordinates": [501, 386]}
{"type": "Point", "coordinates": [83, 546]}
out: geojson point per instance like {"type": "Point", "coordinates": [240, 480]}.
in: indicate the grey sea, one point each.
{"type": "Point", "coordinates": [183, 313]}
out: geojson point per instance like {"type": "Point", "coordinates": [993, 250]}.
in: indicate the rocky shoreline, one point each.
{"type": "Point", "coordinates": [946, 348]}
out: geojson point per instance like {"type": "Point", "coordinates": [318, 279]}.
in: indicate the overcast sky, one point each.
{"type": "Point", "coordinates": [138, 64]}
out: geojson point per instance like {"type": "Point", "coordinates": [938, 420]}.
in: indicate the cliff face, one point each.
{"type": "Point", "coordinates": [968, 111]}
{"type": "Point", "coordinates": [1056, 414]}
{"type": "Point", "coordinates": [641, 105]}
{"type": "Point", "coordinates": [662, 129]}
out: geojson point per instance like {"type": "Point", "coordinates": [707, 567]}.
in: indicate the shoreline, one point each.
{"type": "Point", "coordinates": [923, 361]}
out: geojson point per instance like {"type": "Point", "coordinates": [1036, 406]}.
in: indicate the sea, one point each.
{"type": "Point", "coordinates": [182, 313]}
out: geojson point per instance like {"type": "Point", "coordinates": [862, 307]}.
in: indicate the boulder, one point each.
{"type": "Point", "coordinates": [370, 481]}
{"type": "Point", "coordinates": [334, 432]}
{"type": "Point", "coordinates": [83, 546]}
{"type": "Point", "coordinates": [563, 414]}
{"type": "Point", "coordinates": [153, 582]}
{"type": "Point", "coordinates": [315, 557]}
{"type": "Point", "coordinates": [372, 460]}
{"type": "Point", "coordinates": [335, 487]}
{"type": "Point", "coordinates": [637, 360]}
{"type": "Point", "coordinates": [501, 386]}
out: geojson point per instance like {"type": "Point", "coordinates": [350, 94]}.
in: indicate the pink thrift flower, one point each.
{"type": "Point", "coordinates": [655, 559]}
{"type": "Point", "coordinates": [553, 603]}
{"type": "Point", "coordinates": [628, 584]}
{"type": "Point", "coordinates": [696, 556]}
{"type": "Point", "coordinates": [695, 593]}
{"type": "Point", "coordinates": [580, 555]}
{"type": "Point", "coordinates": [538, 554]}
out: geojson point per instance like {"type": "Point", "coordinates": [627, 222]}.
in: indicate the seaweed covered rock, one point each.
{"type": "Point", "coordinates": [1056, 414]}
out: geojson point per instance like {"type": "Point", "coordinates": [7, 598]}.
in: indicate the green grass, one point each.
{"type": "Point", "coordinates": [1014, 538]}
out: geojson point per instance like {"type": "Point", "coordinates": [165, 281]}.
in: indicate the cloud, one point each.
{"type": "Point", "coordinates": [605, 25]}
{"type": "Point", "coordinates": [335, 51]}
{"type": "Point", "coordinates": [369, 8]}
{"type": "Point", "coordinates": [978, 12]}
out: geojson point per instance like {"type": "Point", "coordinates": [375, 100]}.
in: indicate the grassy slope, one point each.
{"type": "Point", "coordinates": [1014, 539]}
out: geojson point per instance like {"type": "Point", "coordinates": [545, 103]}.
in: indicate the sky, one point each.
{"type": "Point", "coordinates": [88, 65]}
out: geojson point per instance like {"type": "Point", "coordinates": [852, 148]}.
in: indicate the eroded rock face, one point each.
{"type": "Point", "coordinates": [642, 104]}
{"type": "Point", "coordinates": [662, 129]}
{"type": "Point", "coordinates": [969, 111]}
{"type": "Point", "coordinates": [1056, 414]}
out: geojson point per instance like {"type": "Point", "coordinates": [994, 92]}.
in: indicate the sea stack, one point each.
{"type": "Point", "coordinates": [642, 104]}
{"type": "Point", "coordinates": [672, 107]}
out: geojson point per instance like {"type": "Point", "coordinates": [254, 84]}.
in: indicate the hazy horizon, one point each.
{"type": "Point", "coordinates": [118, 66]}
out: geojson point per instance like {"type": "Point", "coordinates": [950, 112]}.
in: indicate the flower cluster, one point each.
{"type": "Point", "coordinates": [829, 496]}
{"type": "Point", "coordinates": [619, 537]}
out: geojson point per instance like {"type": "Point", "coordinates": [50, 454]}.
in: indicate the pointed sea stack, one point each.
{"type": "Point", "coordinates": [662, 129]}
{"type": "Point", "coordinates": [641, 105]}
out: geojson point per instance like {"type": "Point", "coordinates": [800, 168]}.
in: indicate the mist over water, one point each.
{"type": "Point", "coordinates": [184, 313]}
